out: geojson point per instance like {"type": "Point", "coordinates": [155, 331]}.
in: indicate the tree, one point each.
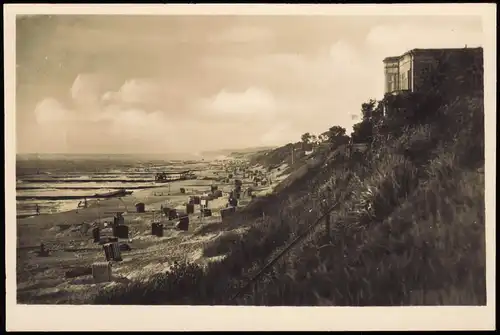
{"type": "Point", "coordinates": [362, 132]}
{"type": "Point", "coordinates": [323, 137]}
{"type": "Point", "coordinates": [314, 139]}
{"type": "Point", "coordinates": [337, 135]}
{"type": "Point", "coordinates": [367, 109]}
{"type": "Point", "coordinates": [306, 138]}
{"type": "Point", "coordinates": [335, 132]}
{"type": "Point", "coordinates": [372, 112]}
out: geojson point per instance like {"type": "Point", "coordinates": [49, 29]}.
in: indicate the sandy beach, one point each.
{"type": "Point", "coordinates": [43, 280]}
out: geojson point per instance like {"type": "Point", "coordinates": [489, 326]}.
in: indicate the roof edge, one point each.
{"type": "Point", "coordinates": [416, 50]}
{"type": "Point", "coordinates": [391, 58]}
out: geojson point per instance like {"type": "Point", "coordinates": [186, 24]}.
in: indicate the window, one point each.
{"type": "Point", "coordinates": [394, 81]}
{"type": "Point", "coordinates": [408, 77]}
{"type": "Point", "coordinates": [403, 81]}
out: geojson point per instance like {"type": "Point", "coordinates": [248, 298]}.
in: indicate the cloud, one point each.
{"type": "Point", "coordinates": [277, 134]}
{"type": "Point", "coordinates": [313, 92]}
{"type": "Point", "coordinates": [242, 34]}
{"type": "Point", "coordinates": [137, 91]}
{"type": "Point", "coordinates": [343, 59]}
{"type": "Point", "coordinates": [50, 112]}
{"type": "Point", "coordinates": [161, 83]}
{"type": "Point", "coordinates": [324, 87]}
{"type": "Point", "coordinates": [137, 124]}
{"type": "Point", "coordinates": [87, 88]}
{"type": "Point", "coordinates": [108, 126]}
{"type": "Point", "coordinates": [114, 126]}
{"type": "Point", "coordinates": [89, 124]}
{"type": "Point", "coordinates": [253, 101]}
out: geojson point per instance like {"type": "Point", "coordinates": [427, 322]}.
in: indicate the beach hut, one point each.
{"type": "Point", "coordinates": [183, 223]}
{"type": "Point", "coordinates": [189, 208]}
{"type": "Point", "coordinates": [112, 251]}
{"type": "Point", "coordinates": [140, 207]}
{"type": "Point", "coordinates": [121, 231]}
{"type": "Point", "coordinates": [157, 229]}
{"type": "Point", "coordinates": [101, 272]}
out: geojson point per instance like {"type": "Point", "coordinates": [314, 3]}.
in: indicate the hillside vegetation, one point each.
{"type": "Point", "coordinates": [407, 225]}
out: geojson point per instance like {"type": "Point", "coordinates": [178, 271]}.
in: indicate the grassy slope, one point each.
{"type": "Point", "coordinates": [410, 228]}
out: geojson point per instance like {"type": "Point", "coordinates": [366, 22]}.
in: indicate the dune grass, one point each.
{"type": "Point", "coordinates": [409, 231]}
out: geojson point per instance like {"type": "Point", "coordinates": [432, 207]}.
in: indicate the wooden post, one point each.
{"type": "Point", "coordinates": [98, 212]}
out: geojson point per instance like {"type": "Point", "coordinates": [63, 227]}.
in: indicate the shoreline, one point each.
{"type": "Point", "coordinates": [42, 279]}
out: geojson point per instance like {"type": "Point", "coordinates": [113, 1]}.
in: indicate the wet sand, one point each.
{"type": "Point", "coordinates": [42, 279]}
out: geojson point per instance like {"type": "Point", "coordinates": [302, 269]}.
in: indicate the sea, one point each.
{"type": "Point", "coordinates": [48, 180]}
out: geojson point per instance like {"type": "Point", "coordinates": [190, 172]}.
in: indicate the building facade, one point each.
{"type": "Point", "coordinates": [410, 72]}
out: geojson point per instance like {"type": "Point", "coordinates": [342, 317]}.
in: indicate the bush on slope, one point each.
{"type": "Point", "coordinates": [410, 229]}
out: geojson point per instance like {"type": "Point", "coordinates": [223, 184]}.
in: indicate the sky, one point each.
{"type": "Point", "coordinates": [177, 83]}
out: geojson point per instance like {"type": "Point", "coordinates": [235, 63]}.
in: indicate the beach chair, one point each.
{"type": "Point", "coordinates": [112, 251]}
{"type": "Point", "coordinates": [101, 272]}
{"type": "Point", "coordinates": [189, 208]}
{"type": "Point", "coordinates": [183, 223]}
{"type": "Point", "coordinates": [157, 229]}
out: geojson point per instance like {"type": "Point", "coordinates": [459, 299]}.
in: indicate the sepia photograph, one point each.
{"type": "Point", "coordinates": [232, 158]}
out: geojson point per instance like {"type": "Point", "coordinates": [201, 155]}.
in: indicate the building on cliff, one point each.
{"type": "Point", "coordinates": [415, 70]}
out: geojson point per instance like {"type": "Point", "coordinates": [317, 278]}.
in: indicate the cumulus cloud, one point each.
{"type": "Point", "coordinates": [121, 123]}
{"type": "Point", "coordinates": [87, 87]}
{"type": "Point", "coordinates": [253, 101]}
{"type": "Point", "coordinates": [241, 82]}
{"type": "Point", "coordinates": [315, 91]}
{"type": "Point", "coordinates": [137, 91]}
{"type": "Point", "coordinates": [327, 87]}
{"type": "Point", "coordinates": [88, 123]}
{"type": "Point", "coordinates": [50, 111]}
